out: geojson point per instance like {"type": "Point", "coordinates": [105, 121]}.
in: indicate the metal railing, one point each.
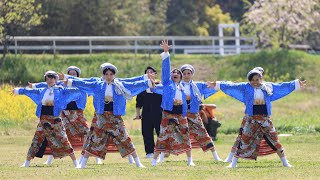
{"type": "Point", "coordinates": [90, 44]}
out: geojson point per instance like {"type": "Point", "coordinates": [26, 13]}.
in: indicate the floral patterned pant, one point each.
{"type": "Point", "coordinates": [111, 147]}
{"type": "Point", "coordinates": [109, 128]}
{"type": "Point", "coordinates": [174, 134]}
{"type": "Point", "coordinates": [199, 133]}
{"type": "Point", "coordinates": [254, 129]}
{"type": "Point", "coordinates": [264, 148]}
{"type": "Point", "coordinates": [50, 132]}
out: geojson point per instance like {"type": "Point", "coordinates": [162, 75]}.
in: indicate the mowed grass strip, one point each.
{"type": "Point", "coordinates": [301, 150]}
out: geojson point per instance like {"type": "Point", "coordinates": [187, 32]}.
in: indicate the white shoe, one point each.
{"type": "Point", "coordinates": [227, 160]}
{"type": "Point", "coordinates": [230, 166]}
{"type": "Point", "coordinates": [49, 160]}
{"type": "Point", "coordinates": [23, 165]}
{"type": "Point", "coordinates": [161, 157]}
{"type": "Point", "coordinates": [141, 166]}
{"type": "Point", "coordinates": [150, 155]}
{"type": "Point", "coordinates": [99, 161]}
{"type": "Point", "coordinates": [219, 159]}
{"type": "Point", "coordinates": [154, 162]}
{"type": "Point", "coordinates": [288, 165]}
{"type": "Point", "coordinates": [26, 164]}
{"type": "Point", "coordinates": [191, 164]}
{"type": "Point", "coordinates": [79, 167]}
{"type": "Point", "coordinates": [131, 160]}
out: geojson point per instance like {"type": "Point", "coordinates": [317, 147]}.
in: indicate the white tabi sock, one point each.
{"type": "Point", "coordinates": [154, 162]}
{"type": "Point", "coordinates": [130, 159]}
{"type": "Point", "coordinates": [75, 163]}
{"type": "Point", "coordinates": [50, 160]}
{"type": "Point", "coordinates": [190, 162]}
{"type": "Point", "coordinates": [83, 163]}
{"type": "Point", "coordinates": [285, 162]}
{"type": "Point", "coordinates": [229, 158]}
{"type": "Point", "coordinates": [138, 163]}
{"type": "Point", "coordinates": [99, 160]}
{"type": "Point", "coordinates": [80, 159]}
{"type": "Point", "coordinates": [216, 156]}
{"type": "Point", "coordinates": [161, 158]}
{"type": "Point", "coordinates": [26, 164]}
{"type": "Point", "coordinates": [233, 164]}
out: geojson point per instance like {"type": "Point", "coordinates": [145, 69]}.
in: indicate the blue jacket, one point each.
{"type": "Point", "coordinates": [81, 101]}
{"type": "Point", "coordinates": [204, 90]}
{"type": "Point", "coordinates": [244, 92]}
{"type": "Point", "coordinates": [98, 88]}
{"type": "Point", "coordinates": [169, 88]}
{"type": "Point", "coordinates": [62, 96]}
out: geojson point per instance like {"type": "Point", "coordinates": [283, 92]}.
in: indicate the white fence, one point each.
{"type": "Point", "coordinates": [136, 44]}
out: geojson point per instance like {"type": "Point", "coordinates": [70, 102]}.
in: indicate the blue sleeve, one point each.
{"type": "Point", "coordinates": [71, 94]}
{"type": "Point", "coordinates": [31, 93]}
{"type": "Point", "coordinates": [87, 87]}
{"type": "Point", "coordinates": [132, 79]}
{"type": "Point", "coordinates": [158, 89]}
{"type": "Point", "coordinates": [136, 87]}
{"type": "Point", "coordinates": [235, 90]}
{"type": "Point", "coordinates": [165, 70]}
{"type": "Point", "coordinates": [205, 90]}
{"type": "Point", "coordinates": [282, 89]}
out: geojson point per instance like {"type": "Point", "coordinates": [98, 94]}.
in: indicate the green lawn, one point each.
{"type": "Point", "coordinates": [302, 151]}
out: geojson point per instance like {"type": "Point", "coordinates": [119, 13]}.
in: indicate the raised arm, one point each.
{"type": "Point", "coordinates": [282, 89]}
{"type": "Point", "coordinates": [165, 62]}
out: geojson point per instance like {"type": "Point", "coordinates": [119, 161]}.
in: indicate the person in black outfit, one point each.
{"type": "Point", "coordinates": [150, 103]}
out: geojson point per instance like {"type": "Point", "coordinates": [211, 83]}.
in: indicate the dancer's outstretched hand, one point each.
{"type": "Point", "coordinates": [211, 84]}
{"type": "Point", "coordinates": [303, 83]}
{"type": "Point", "coordinates": [165, 45]}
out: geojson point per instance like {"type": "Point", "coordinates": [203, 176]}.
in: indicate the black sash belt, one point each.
{"type": "Point", "coordinates": [175, 110]}
{"type": "Point", "coordinates": [108, 106]}
{"type": "Point", "coordinates": [72, 106]}
{"type": "Point", "coordinates": [47, 110]}
{"type": "Point", "coordinates": [260, 110]}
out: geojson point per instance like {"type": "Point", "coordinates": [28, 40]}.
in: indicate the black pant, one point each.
{"type": "Point", "coordinates": [148, 126]}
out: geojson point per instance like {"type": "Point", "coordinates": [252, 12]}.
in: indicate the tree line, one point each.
{"type": "Point", "coordinates": [275, 23]}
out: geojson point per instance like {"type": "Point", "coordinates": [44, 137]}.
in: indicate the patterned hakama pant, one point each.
{"type": "Point", "coordinates": [50, 132]}
{"type": "Point", "coordinates": [255, 129]}
{"type": "Point", "coordinates": [198, 133]}
{"type": "Point", "coordinates": [109, 128]}
{"type": "Point", "coordinates": [174, 134]}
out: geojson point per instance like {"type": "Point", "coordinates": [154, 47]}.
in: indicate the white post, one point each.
{"type": "Point", "coordinates": [237, 34]}
{"type": "Point", "coordinates": [135, 47]}
{"type": "Point", "coordinates": [173, 47]}
{"type": "Point", "coordinates": [90, 46]}
{"type": "Point", "coordinates": [16, 47]}
{"type": "Point", "coordinates": [54, 46]}
{"type": "Point", "coordinates": [221, 41]}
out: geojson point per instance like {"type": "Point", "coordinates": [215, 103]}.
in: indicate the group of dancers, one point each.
{"type": "Point", "coordinates": [62, 128]}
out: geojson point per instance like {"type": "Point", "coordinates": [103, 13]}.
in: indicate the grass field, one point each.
{"type": "Point", "coordinates": [298, 114]}
{"type": "Point", "coordinates": [302, 151]}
